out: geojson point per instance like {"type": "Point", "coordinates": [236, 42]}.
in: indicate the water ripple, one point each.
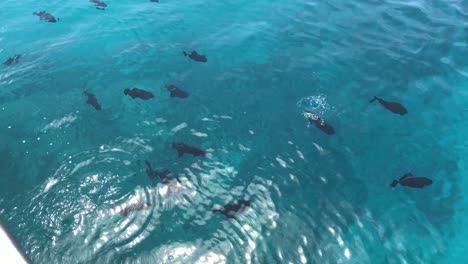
{"type": "Point", "coordinates": [74, 184]}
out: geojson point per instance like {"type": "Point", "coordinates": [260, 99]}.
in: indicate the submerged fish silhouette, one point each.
{"type": "Point", "coordinates": [43, 15]}
{"type": "Point", "coordinates": [164, 175]}
{"type": "Point", "coordinates": [186, 149]}
{"type": "Point", "coordinates": [176, 92]}
{"type": "Point", "coordinates": [392, 106]}
{"type": "Point", "coordinates": [157, 1]}
{"type": "Point", "coordinates": [93, 101]}
{"type": "Point", "coordinates": [14, 59]}
{"type": "Point", "coordinates": [99, 5]}
{"type": "Point", "coordinates": [134, 208]}
{"type": "Point", "coordinates": [195, 56]}
{"type": "Point", "coordinates": [149, 169]}
{"type": "Point", "coordinates": [319, 123]}
{"type": "Point", "coordinates": [233, 209]}
{"type": "Point", "coordinates": [410, 181]}
{"type": "Point", "coordinates": [138, 93]}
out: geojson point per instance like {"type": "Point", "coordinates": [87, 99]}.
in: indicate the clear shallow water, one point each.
{"type": "Point", "coordinates": [67, 169]}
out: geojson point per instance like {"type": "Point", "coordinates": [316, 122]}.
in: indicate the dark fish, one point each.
{"type": "Point", "coordinates": [320, 123]}
{"type": "Point", "coordinates": [164, 175]}
{"type": "Point", "coordinates": [14, 59]}
{"type": "Point", "coordinates": [134, 208]}
{"type": "Point", "coordinates": [232, 209]}
{"type": "Point", "coordinates": [93, 101]}
{"type": "Point", "coordinates": [410, 181]}
{"type": "Point", "coordinates": [149, 169]}
{"type": "Point", "coordinates": [176, 92]}
{"type": "Point", "coordinates": [99, 5]}
{"type": "Point", "coordinates": [43, 15]}
{"type": "Point", "coordinates": [138, 93]}
{"type": "Point", "coordinates": [156, 1]}
{"type": "Point", "coordinates": [185, 149]}
{"type": "Point", "coordinates": [392, 106]}
{"type": "Point", "coordinates": [195, 56]}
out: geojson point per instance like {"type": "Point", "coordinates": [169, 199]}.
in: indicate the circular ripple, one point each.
{"type": "Point", "coordinates": [94, 205]}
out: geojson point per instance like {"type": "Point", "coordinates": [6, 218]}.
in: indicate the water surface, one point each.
{"type": "Point", "coordinates": [67, 169]}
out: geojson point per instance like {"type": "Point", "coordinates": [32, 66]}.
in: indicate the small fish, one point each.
{"type": "Point", "coordinates": [176, 92]}
{"type": "Point", "coordinates": [43, 15]}
{"type": "Point", "coordinates": [134, 208]}
{"type": "Point", "coordinates": [410, 181]}
{"type": "Point", "coordinates": [12, 60]}
{"type": "Point", "coordinates": [156, 1]}
{"type": "Point", "coordinates": [138, 93]}
{"type": "Point", "coordinates": [99, 5]}
{"type": "Point", "coordinates": [93, 101]}
{"type": "Point", "coordinates": [392, 106]}
{"type": "Point", "coordinates": [233, 209]}
{"type": "Point", "coordinates": [195, 56]}
{"type": "Point", "coordinates": [185, 149]}
{"type": "Point", "coordinates": [319, 123]}
{"type": "Point", "coordinates": [164, 175]}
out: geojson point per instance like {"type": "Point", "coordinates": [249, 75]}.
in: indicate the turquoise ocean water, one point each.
{"type": "Point", "coordinates": [66, 169]}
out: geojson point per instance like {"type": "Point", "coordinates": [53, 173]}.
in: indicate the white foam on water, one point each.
{"type": "Point", "coordinates": [299, 153]}
{"type": "Point", "coordinates": [281, 162]}
{"type": "Point", "coordinates": [81, 165]}
{"type": "Point", "coordinates": [347, 253]}
{"type": "Point", "coordinates": [139, 142]}
{"type": "Point", "coordinates": [211, 258]}
{"type": "Point", "coordinates": [50, 183]}
{"type": "Point", "coordinates": [243, 148]}
{"type": "Point", "coordinates": [222, 117]}
{"type": "Point", "coordinates": [179, 127]}
{"type": "Point", "coordinates": [320, 149]}
{"type": "Point", "coordinates": [199, 134]}
{"type": "Point", "coordinates": [60, 122]}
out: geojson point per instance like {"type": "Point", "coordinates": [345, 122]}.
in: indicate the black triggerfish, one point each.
{"type": "Point", "coordinates": [43, 15]}
{"type": "Point", "coordinates": [164, 175]}
{"type": "Point", "coordinates": [182, 149]}
{"type": "Point", "coordinates": [138, 93]}
{"type": "Point", "coordinates": [99, 4]}
{"type": "Point", "coordinates": [319, 123]}
{"type": "Point", "coordinates": [195, 56]}
{"type": "Point", "coordinates": [14, 59]}
{"type": "Point", "coordinates": [394, 107]}
{"type": "Point", "coordinates": [410, 181]}
{"type": "Point", "coordinates": [176, 91]}
{"type": "Point", "coordinates": [232, 209]}
{"type": "Point", "coordinates": [134, 208]}
{"type": "Point", "coordinates": [92, 101]}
